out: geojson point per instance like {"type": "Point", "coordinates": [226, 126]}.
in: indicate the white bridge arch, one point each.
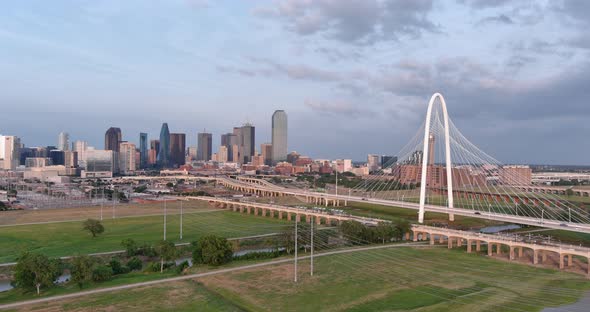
{"type": "Point", "coordinates": [426, 154]}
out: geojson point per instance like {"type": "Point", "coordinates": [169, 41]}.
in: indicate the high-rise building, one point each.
{"type": "Point", "coordinates": [279, 136]}
{"type": "Point", "coordinates": [9, 152]}
{"type": "Point", "coordinates": [515, 175]}
{"type": "Point", "coordinates": [112, 139]}
{"type": "Point", "coordinates": [99, 163]}
{"type": "Point", "coordinates": [222, 155]}
{"type": "Point", "coordinates": [80, 147]}
{"type": "Point", "coordinates": [143, 150]}
{"type": "Point", "coordinates": [388, 161]}
{"type": "Point", "coordinates": [177, 149]}
{"type": "Point", "coordinates": [164, 151]}
{"type": "Point", "coordinates": [266, 151]}
{"type": "Point", "coordinates": [192, 153]}
{"type": "Point", "coordinates": [373, 162]}
{"type": "Point", "coordinates": [204, 146]}
{"type": "Point", "coordinates": [248, 135]}
{"type": "Point", "coordinates": [229, 140]}
{"type": "Point", "coordinates": [58, 157]}
{"type": "Point", "coordinates": [127, 157]}
{"type": "Point", "coordinates": [153, 153]}
{"type": "Point", "coordinates": [63, 141]}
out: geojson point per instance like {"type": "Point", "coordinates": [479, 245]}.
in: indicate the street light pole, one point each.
{"type": "Point", "coordinates": [181, 220]}
{"type": "Point", "coordinates": [311, 271]}
{"type": "Point", "coordinates": [296, 223]}
{"type": "Point", "coordinates": [113, 200]}
{"type": "Point", "coordinates": [101, 203]}
{"type": "Point", "coordinates": [165, 219]}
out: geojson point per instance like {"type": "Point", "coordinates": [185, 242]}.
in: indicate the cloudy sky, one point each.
{"type": "Point", "coordinates": [353, 75]}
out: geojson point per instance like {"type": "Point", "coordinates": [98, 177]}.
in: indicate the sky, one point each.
{"type": "Point", "coordinates": [354, 76]}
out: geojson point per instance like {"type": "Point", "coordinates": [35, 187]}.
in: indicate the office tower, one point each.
{"type": "Point", "coordinates": [9, 152]}
{"type": "Point", "coordinates": [143, 150]}
{"type": "Point", "coordinates": [70, 159]}
{"type": "Point", "coordinates": [164, 151]}
{"type": "Point", "coordinates": [112, 139]}
{"type": "Point", "coordinates": [204, 146]}
{"type": "Point", "coordinates": [177, 149]}
{"type": "Point", "coordinates": [222, 155]}
{"type": "Point", "coordinates": [373, 162]}
{"type": "Point", "coordinates": [99, 163]}
{"type": "Point", "coordinates": [388, 161]}
{"type": "Point", "coordinates": [279, 136]}
{"type": "Point", "coordinates": [192, 153]}
{"type": "Point", "coordinates": [80, 147]}
{"type": "Point", "coordinates": [63, 142]}
{"type": "Point", "coordinates": [127, 157]}
{"type": "Point", "coordinates": [248, 135]}
{"type": "Point", "coordinates": [235, 150]}
{"type": "Point", "coordinates": [25, 152]}
{"type": "Point", "coordinates": [229, 140]}
{"type": "Point", "coordinates": [57, 157]}
{"type": "Point", "coordinates": [266, 150]}
{"type": "Point", "coordinates": [153, 153]}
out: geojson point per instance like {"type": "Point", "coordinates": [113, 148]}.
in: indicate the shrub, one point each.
{"type": "Point", "coordinates": [102, 273]}
{"type": "Point", "coordinates": [213, 250]}
{"type": "Point", "coordinates": [130, 247]}
{"type": "Point", "coordinates": [134, 264]}
{"type": "Point", "coordinates": [155, 266]}
{"type": "Point", "coordinates": [117, 267]}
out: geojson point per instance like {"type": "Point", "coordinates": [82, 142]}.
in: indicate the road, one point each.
{"type": "Point", "coordinates": [197, 275]}
{"type": "Point", "coordinates": [546, 223]}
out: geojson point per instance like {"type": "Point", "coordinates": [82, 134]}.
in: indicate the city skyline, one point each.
{"type": "Point", "coordinates": [511, 93]}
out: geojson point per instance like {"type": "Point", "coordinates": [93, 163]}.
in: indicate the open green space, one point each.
{"type": "Point", "coordinates": [68, 238]}
{"type": "Point", "coordinates": [395, 279]}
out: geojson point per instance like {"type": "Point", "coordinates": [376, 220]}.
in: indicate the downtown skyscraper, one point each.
{"type": "Point", "coordinates": [279, 136]}
{"type": "Point", "coordinates": [112, 139]}
{"type": "Point", "coordinates": [164, 153]}
{"type": "Point", "coordinates": [177, 149]}
{"type": "Point", "coordinates": [143, 150]}
{"type": "Point", "coordinates": [204, 146]}
{"type": "Point", "coordinates": [63, 141]}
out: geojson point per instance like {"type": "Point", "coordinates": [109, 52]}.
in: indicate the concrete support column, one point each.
{"type": "Point", "coordinates": [431, 239]}
{"type": "Point", "coordinates": [415, 236]}
{"type": "Point", "coordinates": [441, 239]}
{"type": "Point", "coordinates": [490, 247]}
{"type": "Point", "coordinates": [499, 249]}
{"type": "Point", "coordinates": [561, 265]}
{"type": "Point", "coordinates": [308, 218]}
{"type": "Point", "coordinates": [459, 241]}
{"type": "Point", "coordinates": [298, 217]}
{"type": "Point", "coordinates": [450, 243]}
{"type": "Point", "coordinates": [264, 212]}
{"type": "Point", "coordinates": [570, 260]}
{"type": "Point", "coordinates": [544, 256]}
{"type": "Point", "coordinates": [535, 256]}
{"type": "Point", "coordinates": [271, 213]}
{"type": "Point", "coordinates": [280, 215]}
{"type": "Point", "coordinates": [248, 210]}
{"type": "Point", "coordinates": [477, 246]}
{"type": "Point", "coordinates": [511, 253]}
{"type": "Point", "coordinates": [469, 242]}
{"type": "Point", "coordinates": [520, 252]}
{"type": "Point", "coordinates": [255, 211]}
{"type": "Point", "coordinates": [288, 216]}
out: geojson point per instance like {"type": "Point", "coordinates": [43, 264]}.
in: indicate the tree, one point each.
{"type": "Point", "coordinates": [354, 231]}
{"type": "Point", "coordinates": [102, 273]}
{"type": "Point", "coordinates": [386, 231]}
{"type": "Point", "coordinates": [403, 226]}
{"type": "Point", "coordinates": [215, 250]}
{"type": "Point", "coordinates": [82, 270]}
{"type": "Point", "coordinates": [167, 251]}
{"type": "Point", "coordinates": [131, 247]}
{"type": "Point", "coordinates": [569, 192]}
{"type": "Point", "coordinates": [134, 264]}
{"type": "Point", "coordinates": [34, 271]}
{"type": "Point", "coordinates": [93, 226]}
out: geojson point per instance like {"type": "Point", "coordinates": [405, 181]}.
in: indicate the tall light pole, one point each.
{"type": "Point", "coordinates": [165, 219]}
{"type": "Point", "coordinates": [101, 203]}
{"type": "Point", "coordinates": [181, 220]}
{"type": "Point", "coordinates": [113, 200]}
{"type": "Point", "coordinates": [311, 263]}
{"type": "Point", "coordinates": [296, 223]}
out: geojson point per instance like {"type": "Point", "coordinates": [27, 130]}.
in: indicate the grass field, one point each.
{"type": "Point", "coordinates": [68, 238]}
{"type": "Point", "coordinates": [398, 279]}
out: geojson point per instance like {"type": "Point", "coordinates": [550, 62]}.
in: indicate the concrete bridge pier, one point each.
{"type": "Point", "coordinates": [535, 256]}
{"type": "Point", "coordinates": [469, 243]}
{"type": "Point", "coordinates": [477, 246]}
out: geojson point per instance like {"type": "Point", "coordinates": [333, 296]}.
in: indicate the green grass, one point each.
{"type": "Point", "coordinates": [397, 279]}
{"type": "Point", "coordinates": [64, 239]}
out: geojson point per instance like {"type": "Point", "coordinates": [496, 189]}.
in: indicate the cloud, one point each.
{"type": "Point", "coordinates": [498, 19]}
{"type": "Point", "coordinates": [341, 108]}
{"type": "Point", "coordinates": [482, 4]}
{"type": "Point", "coordinates": [353, 21]}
